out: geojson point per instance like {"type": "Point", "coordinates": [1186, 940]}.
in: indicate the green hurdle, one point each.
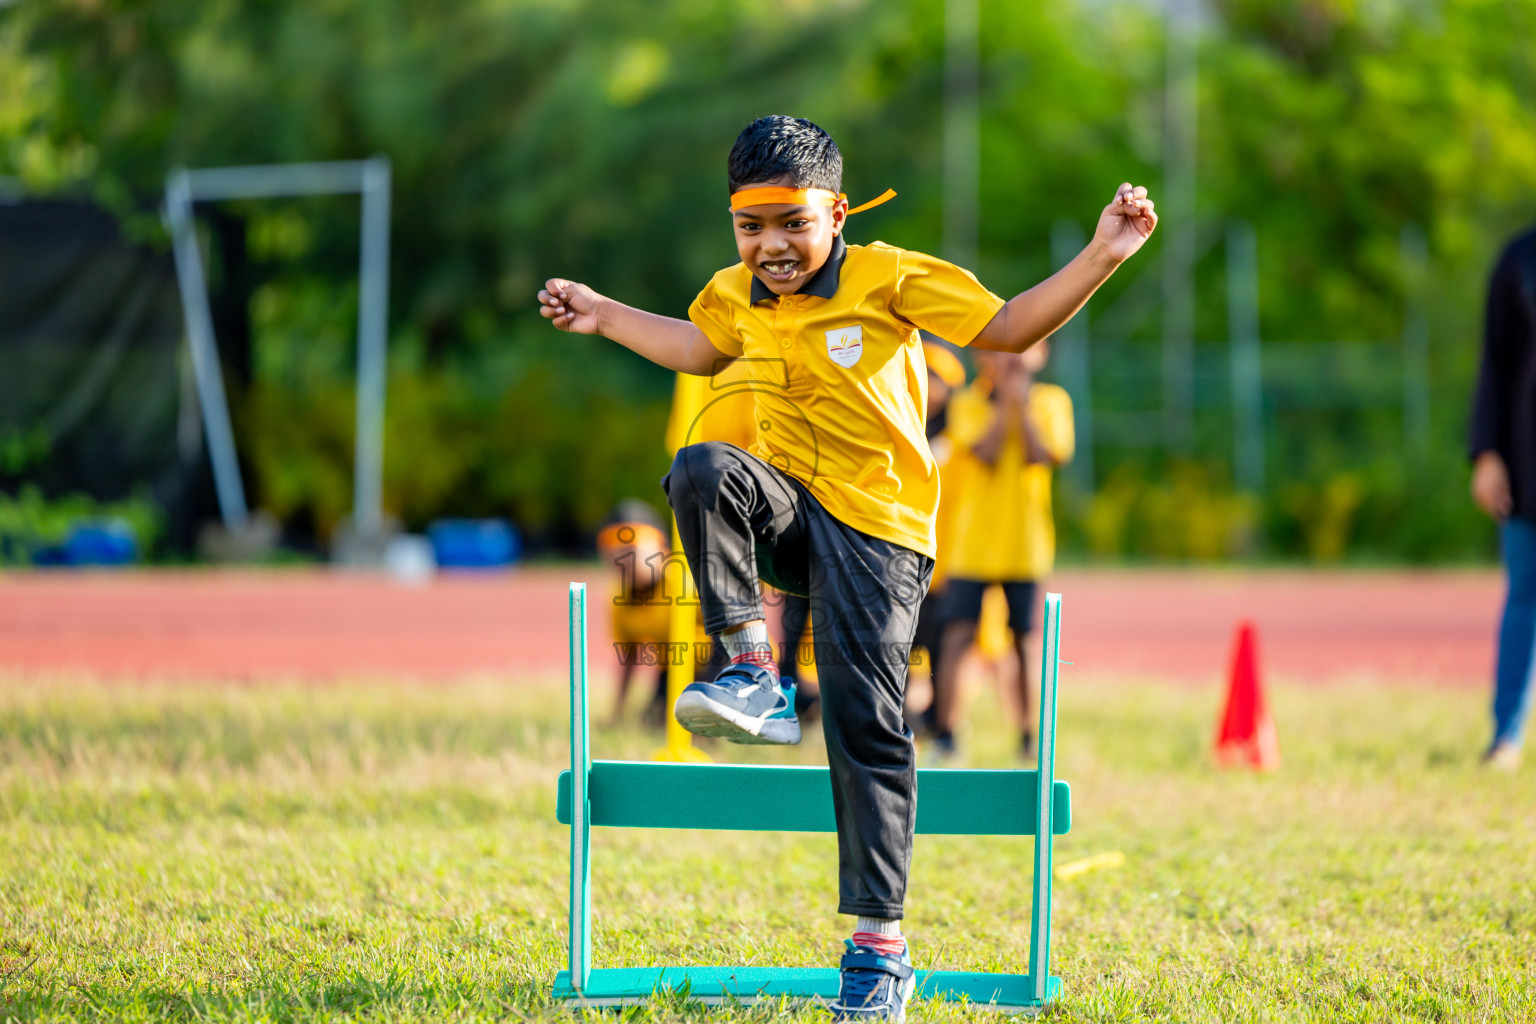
{"type": "Point", "coordinates": [645, 794]}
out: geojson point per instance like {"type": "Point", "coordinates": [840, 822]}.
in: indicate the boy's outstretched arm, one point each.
{"type": "Point", "coordinates": [675, 344]}
{"type": "Point", "coordinates": [1030, 316]}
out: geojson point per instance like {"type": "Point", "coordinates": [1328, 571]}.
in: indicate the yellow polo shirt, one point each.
{"type": "Point", "coordinates": [840, 382]}
{"type": "Point", "coordinates": [999, 515]}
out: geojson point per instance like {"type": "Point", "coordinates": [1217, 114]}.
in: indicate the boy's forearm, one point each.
{"type": "Point", "coordinates": [664, 340]}
{"type": "Point", "coordinates": [1038, 313]}
{"type": "Point", "coordinates": [1036, 451]}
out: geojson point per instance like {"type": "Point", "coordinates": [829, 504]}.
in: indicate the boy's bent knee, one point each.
{"type": "Point", "coordinates": [697, 471]}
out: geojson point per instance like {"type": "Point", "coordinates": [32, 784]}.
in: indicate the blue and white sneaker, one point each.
{"type": "Point", "coordinates": [875, 986]}
{"type": "Point", "coordinates": [745, 704]}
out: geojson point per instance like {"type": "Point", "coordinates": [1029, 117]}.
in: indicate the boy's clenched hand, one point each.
{"type": "Point", "coordinates": [1126, 222]}
{"type": "Point", "coordinates": [664, 340]}
{"type": "Point", "coordinates": [573, 307]}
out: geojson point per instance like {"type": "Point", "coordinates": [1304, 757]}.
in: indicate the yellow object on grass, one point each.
{"type": "Point", "coordinates": [1098, 862]}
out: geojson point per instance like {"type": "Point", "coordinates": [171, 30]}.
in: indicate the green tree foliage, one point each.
{"type": "Point", "coordinates": [587, 138]}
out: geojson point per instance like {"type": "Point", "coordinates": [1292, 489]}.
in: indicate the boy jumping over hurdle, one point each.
{"type": "Point", "coordinates": [836, 499]}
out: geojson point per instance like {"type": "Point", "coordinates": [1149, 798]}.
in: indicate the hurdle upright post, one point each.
{"type": "Point", "coordinates": [1040, 904]}
{"type": "Point", "coordinates": [581, 805]}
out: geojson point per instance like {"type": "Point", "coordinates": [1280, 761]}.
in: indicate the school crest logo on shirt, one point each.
{"type": "Point", "coordinates": [845, 345]}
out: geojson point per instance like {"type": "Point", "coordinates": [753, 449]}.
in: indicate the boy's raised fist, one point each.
{"type": "Point", "coordinates": [1126, 223]}
{"type": "Point", "coordinates": [571, 306]}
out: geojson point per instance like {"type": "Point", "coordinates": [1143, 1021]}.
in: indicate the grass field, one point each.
{"type": "Point", "coordinates": [382, 852]}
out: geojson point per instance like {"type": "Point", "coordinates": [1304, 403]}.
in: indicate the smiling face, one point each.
{"type": "Point", "coordinates": [785, 245]}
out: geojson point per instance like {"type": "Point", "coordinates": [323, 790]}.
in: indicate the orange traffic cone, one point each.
{"type": "Point", "coordinates": [1247, 736]}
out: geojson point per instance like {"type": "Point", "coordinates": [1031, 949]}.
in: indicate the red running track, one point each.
{"type": "Point", "coordinates": [1314, 626]}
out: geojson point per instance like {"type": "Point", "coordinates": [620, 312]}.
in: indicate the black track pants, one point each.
{"type": "Point", "coordinates": [741, 519]}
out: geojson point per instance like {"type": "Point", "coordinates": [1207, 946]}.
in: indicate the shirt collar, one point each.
{"type": "Point", "coordinates": [823, 283]}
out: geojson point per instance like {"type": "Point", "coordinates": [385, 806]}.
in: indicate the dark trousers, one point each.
{"type": "Point", "coordinates": [740, 520]}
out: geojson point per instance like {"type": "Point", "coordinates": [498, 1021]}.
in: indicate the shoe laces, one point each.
{"type": "Point", "coordinates": [742, 681]}
{"type": "Point", "coordinates": [861, 986]}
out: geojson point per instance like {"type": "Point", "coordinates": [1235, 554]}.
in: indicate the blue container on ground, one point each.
{"type": "Point", "coordinates": [474, 543]}
{"type": "Point", "coordinates": [102, 543]}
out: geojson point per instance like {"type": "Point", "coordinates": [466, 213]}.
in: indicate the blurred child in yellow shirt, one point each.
{"type": "Point", "coordinates": [1008, 434]}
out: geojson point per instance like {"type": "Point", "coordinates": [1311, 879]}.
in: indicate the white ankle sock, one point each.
{"type": "Point", "coordinates": [750, 644]}
{"type": "Point", "coordinates": [878, 925]}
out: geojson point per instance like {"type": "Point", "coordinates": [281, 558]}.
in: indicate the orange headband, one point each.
{"type": "Point", "coordinates": [800, 197]}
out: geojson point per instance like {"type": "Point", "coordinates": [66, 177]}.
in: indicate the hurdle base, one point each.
{"type": "Point", "coordinates": [631, 986]}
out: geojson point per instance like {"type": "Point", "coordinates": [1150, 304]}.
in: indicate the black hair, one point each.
{"type": "Point", "coordinates": [777, 146]}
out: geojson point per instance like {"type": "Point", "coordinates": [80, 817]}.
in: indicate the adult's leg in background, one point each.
{"type": "Point", "coordinates": [1517, 633]}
